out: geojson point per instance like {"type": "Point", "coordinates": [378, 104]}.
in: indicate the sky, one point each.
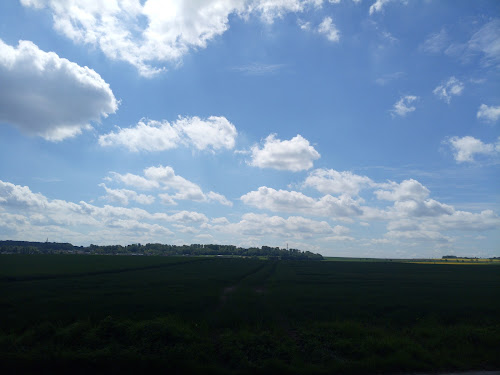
{"type": "Point", "coordinates": [363, 128]}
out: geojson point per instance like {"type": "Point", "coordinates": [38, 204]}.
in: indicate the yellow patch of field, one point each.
{"type": "Point", "coordinates": [464, 261]}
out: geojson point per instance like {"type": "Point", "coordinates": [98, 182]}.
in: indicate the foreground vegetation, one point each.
{"type": "Point", "coordinates": [234, 315]}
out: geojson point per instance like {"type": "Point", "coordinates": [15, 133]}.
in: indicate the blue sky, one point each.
{"type": "Point", "coordinates": [349, 128]}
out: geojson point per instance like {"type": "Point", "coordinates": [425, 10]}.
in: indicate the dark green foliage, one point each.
{"type": "Point", "coordinates": [85, 314]}
{"type": "Point", "coordinates": [25, 247]}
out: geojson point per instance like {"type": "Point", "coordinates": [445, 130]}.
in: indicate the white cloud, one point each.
{"type": "Point", "coordinates": [431, 227]}
{"type": "Point", "coordinates": [403, 106]}
{"type": "Point", "coordinates": [416, 217]}
{"type": "Point", "coordinates": [487, 41]}
{"type": "Point", "coordinates": [343, 207]}
{"type": "Point", "coordinates": [327, 28]}
{"type": "Point", "coordinates": [469, 221]}
{"type": "Point", "coordinates": [164, 178]}
{"type": "Point", "coordinates": [168, 180]}
{"type": "Point", "coordinates": [485, 44]}
{"type": "Point", "coordinates": [453, 87]}
{"type": "Point", "coordinates": [406, 190]}
{"type": "Point", "coordinates": [340, 230]}
{"type": "Point", "coordinates": [436, 42]}
{"type": "Point", "coordinates": [378, 6]}
{"type": "Point", "coordinates": [130, 179]}
{"type": "Point", "coordinates": [293, 155]}
{"type": "Point", "coordinates": [123, 196]}
{"type": "Point", "coordinates": [216, 197]}
{"type": "Point", "coordinates": [466, 148]}
{"type": "Point", "coordinates": [140, 33]}
{"type": "Point", "coordinates": [33, 216]}
{"type": "Point", "coordinates": [411, 200]}
{"type": "Point", "coordinates": [260, 225]}
{"type": "Point", "coordinates": [49, 96]}
{"type": "Point", "coordinates": [150, 136]}
{"type": "Point", "coordinates": [220, 220]}
{"type": "Point", "coordinates": [304, 25]}
{"type": "Point", "coordinates": [387, 78]}
{"type": "Point", "coordinates": [429, 207]}
{"type": "Point", "coordinates": [259, 69]}
{"type": "Point", "coordinates": [272, 9]}
{"type": "Point", "coordinates": [188, 217]}
{"type": "Point", "coordinates": [419, 235]}
{"type": "Point", "coordinates": [150, 33]}
{"type": "Point", "coordinates": [330, 181]}
{"type": "Point", "coordinates": [488, 113]}
{"type": "Point", "coordinates": [167, 199]}
{"type": "Point", "coordinates": [212, 134]}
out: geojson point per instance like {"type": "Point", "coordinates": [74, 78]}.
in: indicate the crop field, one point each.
{"type": "Point", "coordinates": [116, 314]}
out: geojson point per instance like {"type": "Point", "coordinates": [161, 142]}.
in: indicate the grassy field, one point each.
{"type": "Point", "coordinates": [121, 314]}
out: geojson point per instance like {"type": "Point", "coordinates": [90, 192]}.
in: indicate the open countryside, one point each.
{"type": "Point", "coordinates": [233, 315]}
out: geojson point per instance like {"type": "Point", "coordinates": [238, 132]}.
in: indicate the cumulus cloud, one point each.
{"type": "Point", "coordinates": [330, 181]}
{"type": "Point", "coordinates": [212, 134]}
{"type": "Point", "coordinates": [29, 214]}
{"type": "Point", "coordinates": [406, 190]}
{"type": "Point", "coordinates": [164, 178]}
{"type": "Point", "coordinates": [404, 106]}
{"type": "Point", "coordinates": [136, 181]}
{"type": "Point", "coordinates": [419, 235]}
{"type": "Point", "coordinates": [415, 217]}
{"type": "Point", "coordinates": [260, 225]}
{"type": "Point", "coordinates": [452, 87]}
{"type": "Point", "coordinates": [45, 95]}
{"type": "Point", "coordinates": [123, 196]}
{"type": "Point", "coordinates": [150, 33]}
{"type": "Point", "coordinates": [488, 113]}
{"type": "Point", "coordinates": [431, 228]}
{"type": "Point", "coordinates": [219, 198]}
{"type": "Point", "coordinates": [466, 148]}
{"type": "Point", "coordinates": [328, 29]}
{"type": "Point", "coordinates": [168, 180]}
{"type": "Point", "coordinates": [411, 200]}
{"type": "Point", "coordinates": [469, 221]}
{"type": "Point", "coordinates": [293, 155]}
{"type": "Point", "coordinates": [145, 136]}
{"type": "Point", "coordinates": [343, 207]}
{"type": "Point", "coordinates": [428, 207]}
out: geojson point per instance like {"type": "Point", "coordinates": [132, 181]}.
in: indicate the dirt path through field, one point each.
{"type": "Point", "coordinates": [257, 286]}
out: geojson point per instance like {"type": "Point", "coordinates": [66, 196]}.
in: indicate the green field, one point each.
{"type": "Point", "coordinates": [121, 314]}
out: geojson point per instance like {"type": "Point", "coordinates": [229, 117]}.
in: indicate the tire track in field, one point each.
{"type": "Point", "coordinates": [228, 290]}
{"type": "Point", "coordinates": [260, 288]}
{"type": "Point", "coordinates": [96, 273]}
{"type": "Point", "coordinates": [257, 288]}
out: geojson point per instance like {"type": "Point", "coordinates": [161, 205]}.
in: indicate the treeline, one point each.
{"type": "Point", "coordinates": [26, 247]}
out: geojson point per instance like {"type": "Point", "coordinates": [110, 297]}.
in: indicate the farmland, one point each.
{"type": "Point", "coordinates": [237, 315]}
